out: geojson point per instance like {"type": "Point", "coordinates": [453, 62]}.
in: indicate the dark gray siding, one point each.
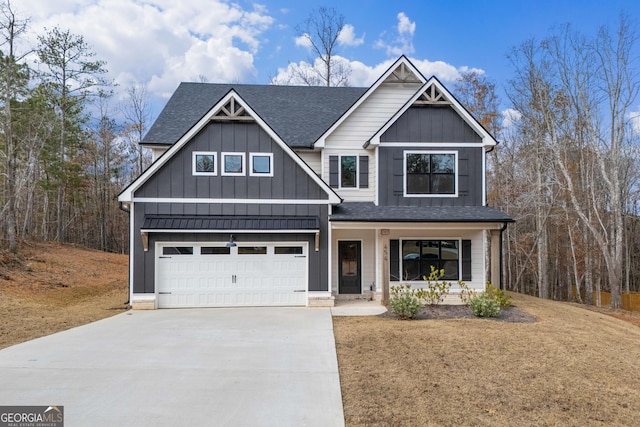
{"type": "Point", "coordinates": [391, 163]}
{"type": "Point", "coordinates": [175, 178]}
{"type": "Point", "coordinates": [144, 262]}
{"type": "Point", "coordinates": [430, 124]}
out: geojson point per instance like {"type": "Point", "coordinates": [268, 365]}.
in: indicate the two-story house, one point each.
{"type": "Point", "coordinates": [280, 195]}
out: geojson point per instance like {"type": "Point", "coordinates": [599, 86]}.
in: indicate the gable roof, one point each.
{"type": "Point", "coordinates": [434, 87]}
{"type": "Point", "coordinates": [127, 194]}
{"type": "Point", "coordinates": [297, 114]}
{"type": "Point", "coordinates": [400, 71]}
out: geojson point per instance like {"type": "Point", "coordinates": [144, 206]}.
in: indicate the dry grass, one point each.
{"type": "Point", "coordinates": [51, 287]}
{"type": "Point", "coordinates": [573, 367]}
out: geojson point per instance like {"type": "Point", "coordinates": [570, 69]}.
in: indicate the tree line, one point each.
{"type": "Point", "coordinates": [64, 156]}
{"type": "Point", "coordinates": [566, 168]}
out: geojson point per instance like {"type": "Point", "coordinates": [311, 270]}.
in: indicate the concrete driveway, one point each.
{"type": "Point", "coordinates": [198, 367]}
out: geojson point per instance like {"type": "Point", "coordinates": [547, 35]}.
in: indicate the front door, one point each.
{"type": "Point", "coordinates": [349, 267]}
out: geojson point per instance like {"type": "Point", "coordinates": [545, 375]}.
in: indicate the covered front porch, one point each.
{"type": "Point", "coordinates": [369, 255]}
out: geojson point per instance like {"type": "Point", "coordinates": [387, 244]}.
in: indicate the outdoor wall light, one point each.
{"type": "Point", "coordinates": [232, 242]}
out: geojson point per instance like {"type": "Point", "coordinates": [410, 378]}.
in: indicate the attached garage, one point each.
{"type": "Point", "coordinates": [214, 275]}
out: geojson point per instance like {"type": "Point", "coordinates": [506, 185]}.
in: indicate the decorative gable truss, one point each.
{"type": "Point", "coordinates": [233, 111]}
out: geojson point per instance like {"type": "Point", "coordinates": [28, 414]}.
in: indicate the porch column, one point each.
{"type": "Point", "coordinates": [495, 259]}
{"type": "Point", "coordinates": [384, 259]}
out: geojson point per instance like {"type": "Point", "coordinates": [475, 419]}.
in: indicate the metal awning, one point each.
{"type": "Point", "coordinates": [173, 223]}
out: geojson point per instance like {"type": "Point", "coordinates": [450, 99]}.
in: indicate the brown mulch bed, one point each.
{"type": "Point", "coordinates": [438, 312]}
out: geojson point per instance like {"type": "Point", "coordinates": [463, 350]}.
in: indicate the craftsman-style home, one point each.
{"type": "Point", "coordinates": [283, 195]}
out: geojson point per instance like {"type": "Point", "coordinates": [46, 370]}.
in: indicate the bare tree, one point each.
{"type": "Point", "coordinates": [136, 110]}
{"type": "Point", "coordinates": [320, 31]}
{"type": "Point", "coordinates": [579, 92]}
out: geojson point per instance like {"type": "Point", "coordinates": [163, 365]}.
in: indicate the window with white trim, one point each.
{"type": "Point", "coordinates": [261, 164]}
{"type": "Point", "coordinates": [348, 171]}
{"type": "Point", "coordinates": [233, 164]}
{"type": "Point", "coordinates": [430, 173]}
{"type": "Point", "coordinates": [204, 163]}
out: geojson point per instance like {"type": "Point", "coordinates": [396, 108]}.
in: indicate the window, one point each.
{"type": "Point", "coordinates": [204, 163]}
{"type": "Point", "coordinates": [418, 256]}
{"type": "Point", "coordinates": [348, 171]}
{"type": "Point", "coordinates": [233, 164]}
{"type": "Point", "coordinates": [252, 250]}
{"type": "Point", "coordinates": [214, 250]}
{"type": "Point", "coordinates": [288, 250]}
{"type": "Point", "coordinates": [177, 250]}
{"type": "Point", "coordinates": [261, 164]}
{"type": "Point", "coordinates": [430, 173]}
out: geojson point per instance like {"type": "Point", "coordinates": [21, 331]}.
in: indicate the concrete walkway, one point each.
{"type": "Point", "coordinates": [222, 367]}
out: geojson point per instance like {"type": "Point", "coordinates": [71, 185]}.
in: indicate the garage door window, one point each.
{"type": "Point", "coordinates": [177, 250]}
{"type": "Point", "coordinates": [214, 250]}
{"type": "Point", "coordinates": [252, 250]}
{"type": "Point", "coordinates": [288, 250]}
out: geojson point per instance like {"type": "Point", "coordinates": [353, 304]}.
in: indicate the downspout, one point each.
{"type": "Point", "coordinates": [502, 229]}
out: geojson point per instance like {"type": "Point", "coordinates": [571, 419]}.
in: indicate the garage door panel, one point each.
{"type": "Point", "coordinates": [209, 276]}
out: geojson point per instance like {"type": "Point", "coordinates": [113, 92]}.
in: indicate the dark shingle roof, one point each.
{"type": "Point", "coordinates": [368, 212]}
{"type": "Point", "coordinates": [298, 114]}
{"type": "Point", "coordinates": [155, 222]}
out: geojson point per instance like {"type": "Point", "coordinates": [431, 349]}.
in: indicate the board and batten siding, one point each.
{"type": "Point", "coordinates": [421, 125]}
{"type": "Point", "coordinates": [176, 180]}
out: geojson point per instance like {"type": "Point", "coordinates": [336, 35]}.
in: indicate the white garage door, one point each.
{"type": "Point", "coordinates": [206, 275]}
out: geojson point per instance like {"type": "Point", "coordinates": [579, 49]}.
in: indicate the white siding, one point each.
{"type": "Point", "coordinates": [313, 159]}
{"type": "Point", "coordinates": [349, 137]}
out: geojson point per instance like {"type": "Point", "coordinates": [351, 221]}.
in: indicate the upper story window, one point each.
{"type": "Point", "coordinates": [204, 163]}
{"type": "Point", "coordinates": [348, 171]}
{"type": "Point", "coordinates": [233, 164]}
{"type": "Point", "coordinates": [429, 173]}
{"type": "Point", "coordinates": [261, 164]}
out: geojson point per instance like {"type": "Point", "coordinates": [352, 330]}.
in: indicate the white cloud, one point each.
{"type": "Point", "coordinates": [363, 75]}
{"type": "Point", "coordinates": [160, 43]}
{"type": "Point", "coordinates": [405, 26]}
{"type": "Point", "coordinates": [402, 44]}
{"type": "Point", "coordinates": [510, 119]}
{"type": "Point", "coordinates": [634, 119]}
{"type": "Point", "coordinates": [347, 36]}
{"type": "Point", "coordinates": [303, 41]}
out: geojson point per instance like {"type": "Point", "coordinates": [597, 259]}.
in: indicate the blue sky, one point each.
{"type": "Point", "coordinates": [162, 42]}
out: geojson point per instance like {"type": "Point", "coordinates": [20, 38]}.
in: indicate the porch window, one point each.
{"type": "Point", "coordinates": [430, 173]}
{"type": "Point", "coordinates": [418, 256]}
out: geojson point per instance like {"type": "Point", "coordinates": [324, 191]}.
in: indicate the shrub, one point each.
{"type": "Point", "coordinates": [404, 302]}
{"type": "Point", "coordinates": [436, 289]}
{"type": "Point", "coordinates": [466, 293]}
{"type": "Point", "coordinates": [498, 295]}
{"type": "Point", "coordinates": [484, 306]}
